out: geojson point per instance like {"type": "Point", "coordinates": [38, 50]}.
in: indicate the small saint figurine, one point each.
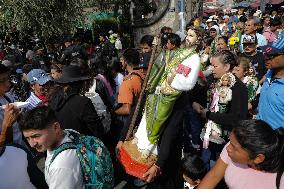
{"type": "Point", "coordinates": [222, 95]}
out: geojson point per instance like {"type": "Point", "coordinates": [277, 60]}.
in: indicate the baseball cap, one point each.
{"type": "Point", "coordinates": [209, 20]}
{"type": "Point", "coordinates": [38, 76]}
{"type": "Point", "coordinates": [216, 28]}
{"type": "Point", "coordinates": [276, 48]}
{"type": "Point", "coordinates": [226, 17]}
{"type": "Point", "coordinates": [249, 39]}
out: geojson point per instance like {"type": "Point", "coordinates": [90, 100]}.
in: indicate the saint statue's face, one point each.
{"type": "Point", "coordinates": [251, 71]}
{"type": "Point", "coordinates": [191, 37]}
{"type": "Point", "coordinates": [225, 81]}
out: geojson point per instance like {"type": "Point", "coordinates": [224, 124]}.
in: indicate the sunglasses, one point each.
{"type": "Point", "coordinates": [249, 45]}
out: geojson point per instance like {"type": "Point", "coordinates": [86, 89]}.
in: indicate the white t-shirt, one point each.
{"type": "Point", "coordinates": [118, 80]}
{"type": "Point", "coordinates": [13, 169]}
{"type": "Point", "coordinates": [65, 171]}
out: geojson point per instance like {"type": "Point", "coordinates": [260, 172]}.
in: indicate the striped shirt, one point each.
{"type": "Point", "coordinates": [34, 101]}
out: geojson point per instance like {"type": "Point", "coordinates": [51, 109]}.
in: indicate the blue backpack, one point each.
{"type": "Point", "coordinates": [95, 160]}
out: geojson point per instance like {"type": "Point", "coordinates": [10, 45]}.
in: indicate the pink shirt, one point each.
{"type": "Point", "coordinates": [239, 176]}
{"type": "Point", "coordinates": [269, 36]}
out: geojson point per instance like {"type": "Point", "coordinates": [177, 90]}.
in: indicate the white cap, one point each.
{"type": "Point", "coordinates": [209, 20]}
{"type": "Point", "coordinates": [216, 28]}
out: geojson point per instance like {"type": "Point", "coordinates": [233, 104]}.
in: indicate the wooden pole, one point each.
{"type": "Point", "coordinates": [138, 105]}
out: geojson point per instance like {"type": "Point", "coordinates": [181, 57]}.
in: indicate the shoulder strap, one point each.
{"type": "Point", "coordinates": [142, 80]}
{"type": "Point", "coordinates": [134, 73]}
{"type": "Point", "coordinates": [278, 179]}
{"type": "Point", "coordinates": [65, 146]}
{"type": "Point", "coordinates": [8, 99]}
{"type": "Point", "coordinates": [61, 148]}
{"type": "Point", "coordinates": [2, 150]}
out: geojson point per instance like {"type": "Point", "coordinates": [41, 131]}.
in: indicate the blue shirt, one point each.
{"type": "Point", "coordinates": [271, 102]}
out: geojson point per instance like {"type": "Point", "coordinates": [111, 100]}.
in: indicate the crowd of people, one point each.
{"type": "Point", "coordinates": [208, 107]}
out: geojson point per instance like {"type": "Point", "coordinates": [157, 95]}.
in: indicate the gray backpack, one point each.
{"type": "Point", "coordinates": [100, 107]}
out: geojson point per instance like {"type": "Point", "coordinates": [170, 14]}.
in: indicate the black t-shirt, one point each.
{"type": "Point", "coordinates": [144, 60]}
{"type": "Point", "coordinates": [259, 64]}
{"type": "Point", "coordinates": [237, 107]}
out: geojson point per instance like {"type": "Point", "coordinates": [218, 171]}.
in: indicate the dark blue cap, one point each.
{"type": "Point", "coordinates": [277, 47]}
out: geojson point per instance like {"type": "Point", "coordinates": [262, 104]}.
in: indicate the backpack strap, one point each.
{"type": "Point", "coordinates": [67, 145]}
{"type": "Point", "coordinates": [61, 148]}
{"type": "Point", "coordinates": [134, 73]}
{"type": "Point", "coordinates": [142, 80]}
{"type": "Point", "coordinates": [7, 99]}
{"type": "Point", "coordinates": [2, 150]}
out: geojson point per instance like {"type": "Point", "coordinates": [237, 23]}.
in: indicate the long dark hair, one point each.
{"type": "Point", "coordinates": [100, 67]}
{"type": "Point", "coordinates": [257, 137]}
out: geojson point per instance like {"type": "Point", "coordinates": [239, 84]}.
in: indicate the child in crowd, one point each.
{"type": "Point", "coordinates": [116, 72]}
{"type": "Point", "coordinates": [193, 170]}
{"type": "Point", "coordinates": [56, 71]}
{"type": "Point", "coordinates": [146, 50]}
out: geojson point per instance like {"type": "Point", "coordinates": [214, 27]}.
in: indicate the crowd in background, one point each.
{"type": "Point", "coordinates": [232, 131]}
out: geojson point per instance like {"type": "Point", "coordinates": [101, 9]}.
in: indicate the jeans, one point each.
{"type": "Point", "coordinates": [211, 153]}
{"type": "Point", "coordinates": [192, 125]}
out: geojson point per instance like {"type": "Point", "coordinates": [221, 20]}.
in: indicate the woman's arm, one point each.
{"type": "Point", "coordinates": [214, 176]}
{"type": "Point", "coordinates": [262, 80]}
